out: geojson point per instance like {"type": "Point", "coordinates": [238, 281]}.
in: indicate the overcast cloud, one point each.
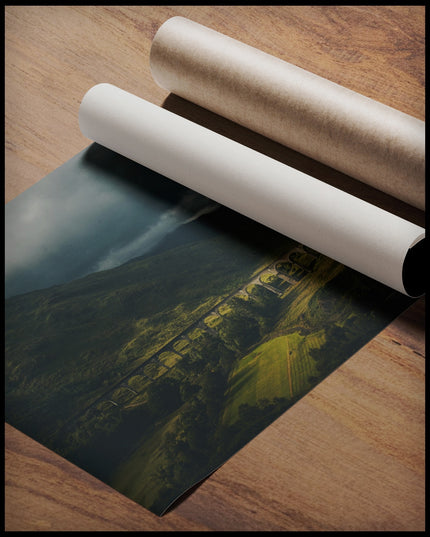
{"type": "Point", "coordinates": [81, 219]}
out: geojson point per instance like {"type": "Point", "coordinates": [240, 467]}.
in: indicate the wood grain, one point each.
{"type": "Point", "coordinates": [350, 454]}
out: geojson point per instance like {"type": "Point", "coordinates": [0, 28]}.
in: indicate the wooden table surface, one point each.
{"type": "Point", "coordinates": [350, 454]}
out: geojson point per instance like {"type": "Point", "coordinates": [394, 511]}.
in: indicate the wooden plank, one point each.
{"type": "Point", "coordinates": [349, 455]}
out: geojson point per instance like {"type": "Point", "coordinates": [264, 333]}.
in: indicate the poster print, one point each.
{"type": "Point", "coordinates": [151, 333]}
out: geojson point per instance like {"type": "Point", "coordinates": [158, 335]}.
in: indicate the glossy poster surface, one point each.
{"type": "Point", "coordinates": [151, 332]}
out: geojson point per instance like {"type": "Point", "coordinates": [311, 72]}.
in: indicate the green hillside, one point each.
{"type": "Point", "coordinates": [150, 375]}
{"type": "Point", "coordinates": [279, 368]}
{"type": "Point", "coordinates": [65, 345]}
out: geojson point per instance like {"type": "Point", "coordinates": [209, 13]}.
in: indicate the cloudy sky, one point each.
{"type": "Point", "coordinates": [94, 213]}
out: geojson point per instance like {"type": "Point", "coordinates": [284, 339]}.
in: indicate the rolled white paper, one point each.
{"type": "Point", "coordinates": [361, 137]}
{"type": "Point", "coordinates": [338, 225]}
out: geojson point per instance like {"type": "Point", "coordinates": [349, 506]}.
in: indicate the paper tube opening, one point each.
{"type": "Point", "coordinates": [413, 273]}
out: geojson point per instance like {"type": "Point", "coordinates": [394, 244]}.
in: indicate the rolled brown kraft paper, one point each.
{"type": "Point", "coordinates": [365, 139]}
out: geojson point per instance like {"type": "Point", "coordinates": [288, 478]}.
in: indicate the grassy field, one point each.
{"type": "Point", "coordinates": [137, 477]}
{"type": "Point", "coordinates": [280, 367]}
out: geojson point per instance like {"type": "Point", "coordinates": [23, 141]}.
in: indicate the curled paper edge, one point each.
{"type": "Point", "coordinates": [338, 225]}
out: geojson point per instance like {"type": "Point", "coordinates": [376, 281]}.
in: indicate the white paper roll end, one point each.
{"type": "Point", "coordinates": [88, 106]}
{"type": "Point", "coordinates": [338, 225]}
